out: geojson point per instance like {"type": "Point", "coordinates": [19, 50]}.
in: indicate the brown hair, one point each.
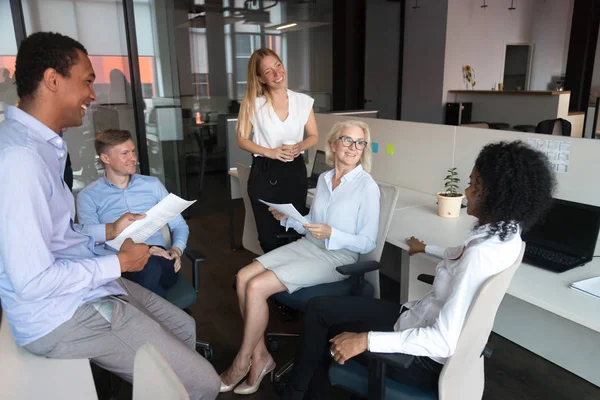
{"type": "Point", "coordinates": [254, 89]}
{"type": "Point", "coordinates": [109, 138]}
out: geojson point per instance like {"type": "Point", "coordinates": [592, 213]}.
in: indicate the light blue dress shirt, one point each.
{"type": "Point", "coordinates": [101, 202]}
{"type": "Point", "coordinates": [48, 266]}
{"type": "Point", "coordinates": [351, 210]}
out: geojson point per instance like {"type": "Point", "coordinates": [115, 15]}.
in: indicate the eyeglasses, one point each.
{"type": "Point", "coordinates": [348, 141]}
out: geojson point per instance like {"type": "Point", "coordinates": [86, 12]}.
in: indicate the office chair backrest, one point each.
{"type": "Point", "coordinates": [153, 378]}
{"type": "Point", "coordinates": [250, 235]}
{"type": "Point", "coordinates": [462, 377]}
{"type": "Point", "coordinates": [559, 126]}
{"type": "Point", "coordinates": [388, 198]}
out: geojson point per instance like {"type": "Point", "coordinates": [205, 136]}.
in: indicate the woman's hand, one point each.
{"type": "Point", "coordinates": [319, 231]}
{"type": "Point", "coordinates": [415, 246]}
{"type": "Point", "coordinates": [279, 153]}
{"type": "Point", "coordinates": [279, 216]}
{"type": "Point", "coordinates": [293, 150]}
{"type": "Point", "coordinates": [347, 345]}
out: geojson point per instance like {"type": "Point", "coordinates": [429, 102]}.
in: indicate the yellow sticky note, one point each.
{"type": "Point", "coordinates": [389, 149]}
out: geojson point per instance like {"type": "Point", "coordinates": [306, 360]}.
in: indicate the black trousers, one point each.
{"type": "Point", "coordinates": [276, 182]}
{"type": "Point", "coordinates": [157, 276]}
{"type": "Point", "coordinates": [327, 317]}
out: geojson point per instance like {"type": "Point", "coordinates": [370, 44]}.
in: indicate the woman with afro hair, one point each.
{"type": "Point", "coordinates": [510, 188]}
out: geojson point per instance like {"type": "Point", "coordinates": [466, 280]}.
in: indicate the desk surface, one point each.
{"type": "Point", "coordinates": [25, 376]}
{"type": "Point", "coordinates": [536, 286]}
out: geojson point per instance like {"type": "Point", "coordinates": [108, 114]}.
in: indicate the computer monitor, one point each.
{"type": "Point", "coordinates": [568, 227]}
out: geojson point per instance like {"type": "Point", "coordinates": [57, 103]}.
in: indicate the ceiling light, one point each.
{"type": "Point", "coordinates": [286, 26]}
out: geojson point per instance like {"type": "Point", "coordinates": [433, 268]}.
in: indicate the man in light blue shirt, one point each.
{"type": "Point", "coordinates": [63, 300]}
{"type": "Point", "coordinates": [122, 191]}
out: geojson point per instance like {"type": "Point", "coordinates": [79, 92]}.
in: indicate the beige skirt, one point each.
{"type": "Point", "coordinates": [306, 262]}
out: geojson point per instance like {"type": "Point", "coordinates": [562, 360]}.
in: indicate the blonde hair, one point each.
{"type": "Point", "coordinates": [254, 88]}
{"type": "Point", "coordinates": [334, 134]}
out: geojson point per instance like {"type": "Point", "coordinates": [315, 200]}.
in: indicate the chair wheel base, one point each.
{"type": "Point", "coordinates": [205, 350]}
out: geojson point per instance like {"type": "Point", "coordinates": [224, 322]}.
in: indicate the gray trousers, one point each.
{"type": "Point", "coordinates": [141, 317]}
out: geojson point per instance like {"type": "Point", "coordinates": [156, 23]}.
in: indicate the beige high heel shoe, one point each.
{"type": "Point", "coordinates": [229, 387]}
{"type": "Point", "coordinates": [244, 388]}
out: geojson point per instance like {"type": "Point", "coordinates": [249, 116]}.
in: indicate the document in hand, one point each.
{"type": "Point", "coordinates": [588, 286]}
{"type": "Point", "coordinates": [157, 217]}
{"type": "Point", "coordinates": [289, 210]}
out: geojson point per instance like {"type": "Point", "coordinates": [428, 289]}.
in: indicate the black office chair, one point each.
{"type": "Point", "coordinates": [557, 126]}
{"type": "Point", "coordinates": [355, 285]}
{"type": "Point", "coordinates": [183, 294]}
{"type": "Point", "coordinates": [205, 156]}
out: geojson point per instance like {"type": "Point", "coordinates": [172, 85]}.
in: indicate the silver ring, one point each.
{"type": "Point", "coordinates": [331, 353]}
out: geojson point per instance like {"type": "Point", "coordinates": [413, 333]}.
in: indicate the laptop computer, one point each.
{"type": "Point", "coordinates": [319, 166]}
{"type": "Point", "coordinates": [565, 238]}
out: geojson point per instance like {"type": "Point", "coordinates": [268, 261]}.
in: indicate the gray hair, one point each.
{"type": "Point", "coordinates": [334, 134]}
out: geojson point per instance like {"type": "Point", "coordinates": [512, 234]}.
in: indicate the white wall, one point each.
{"type": "Point", "coordinates": [424, 53]}
{"type": "Point", "coordinates": [478, 37]}
{"type": "Point", "coordinates": [551, 34]}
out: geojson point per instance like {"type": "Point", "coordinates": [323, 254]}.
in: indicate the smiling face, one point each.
{"type": "Point", "coordinates": [271, 73]}
{"type": "Point", "coordinates": [75, 92]}
{"type": "Point", "coordinates": [120, 159]}
{"type": "Point", "coordinates": [347, 156]}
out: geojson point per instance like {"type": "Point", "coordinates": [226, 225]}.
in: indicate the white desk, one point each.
{"type": "Point", "coordinates": [25, 376]}
{"type": "Point", "coordinates": [540, 313]}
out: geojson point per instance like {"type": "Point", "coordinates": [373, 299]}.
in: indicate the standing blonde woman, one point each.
{"type": "Point", "coordinates": [275, 115]}
{"type": "Point", "coordinates": [342, 223]}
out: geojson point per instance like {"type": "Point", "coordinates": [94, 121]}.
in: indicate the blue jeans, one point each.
{"type": "Point", "coordinates": [157, 276]}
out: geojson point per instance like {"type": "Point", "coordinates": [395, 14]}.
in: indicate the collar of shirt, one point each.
{"type": "Point", "coordinates": [346, 178]}
{"type": "Point", "coordinates": [480, 232]}
{"type": "Point", "coordinates": [109, 183]}
{"type": "Point", "coordinates": [36, 127]}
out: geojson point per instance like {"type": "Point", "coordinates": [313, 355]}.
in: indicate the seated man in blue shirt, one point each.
{"type": "Point", "coordinates": [121, 191]}
{"type": "Point", "coordinates": [61, 298]}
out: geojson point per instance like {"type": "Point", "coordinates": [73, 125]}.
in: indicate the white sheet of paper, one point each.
{"type": "Point", "coordinates": [289, 210]}
{"type": "Point", "coordinates": [589, 286]}
{"type": "Point", "coordinates": [157, 217]}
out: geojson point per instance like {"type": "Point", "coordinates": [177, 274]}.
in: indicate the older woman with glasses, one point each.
{"type": "Point", "coordinates": [342, 223]}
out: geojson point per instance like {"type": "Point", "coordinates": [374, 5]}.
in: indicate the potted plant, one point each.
{"type": "Point", "coordinates": [449, 201]}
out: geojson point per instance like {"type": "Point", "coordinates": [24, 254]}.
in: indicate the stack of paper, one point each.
{"type": "Point", "coordinates": [287, 209]}
{"type": "Point", "coordinates": [589, 286]}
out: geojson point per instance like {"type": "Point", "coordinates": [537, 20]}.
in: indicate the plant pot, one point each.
{"type": "Point", "coordinates": [449, 207]}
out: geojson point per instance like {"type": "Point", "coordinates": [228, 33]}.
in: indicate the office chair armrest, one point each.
{"type": "Point", "coordinates": [378, 362]}
{"type": "Point", "coordinates": [396, 360]}
{"type": "Point", "coordinates": [196, 258]}
{"type": "Point", "coordinates": [358, 268]}
{"type": "Point", "coordinates": [426, 278]}
{"type": "Point", "coordinates": [290, 236]}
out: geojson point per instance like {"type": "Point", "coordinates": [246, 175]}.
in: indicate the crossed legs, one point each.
{"type": "Point", "coordinates": [254, 286]}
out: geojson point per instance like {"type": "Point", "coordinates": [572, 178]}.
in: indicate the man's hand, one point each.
{"type": "Point", "coordinates": [113, 230]}
{"type": "Point", "coordinates": [347, 345]}
{"type": "Point", "coordinates": [172, 254]}
{"type": "Point", "coordinates": [319, 231]}
{"type": "Point", "coordinates": [133, 257]}
{"type": "Point", "coordinates": [175, 254]}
